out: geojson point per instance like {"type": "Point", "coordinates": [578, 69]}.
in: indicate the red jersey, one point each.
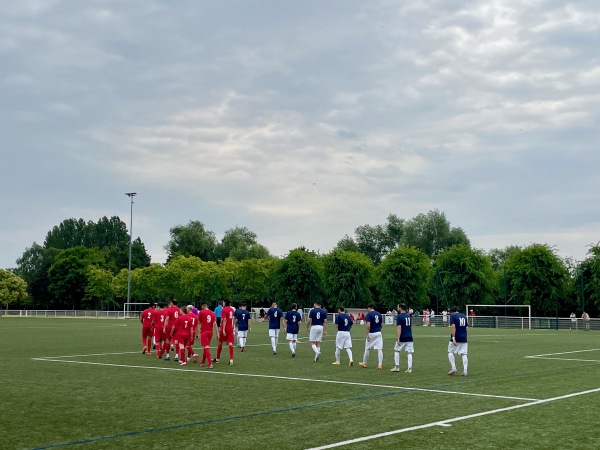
{"type": "Point", "coordinates": [227, 314]}
{"type": "Point", "coordinates": [160, 315]}
{"type": "Point", "coordinates": [173, 312]}
{"type": "Point", "coordinates": [206, 318]}
{"type": "Point", "coordinates": [194, 320]}
{"type": "Point", "coordinates": [183, 326]}
{"type": "Point", "coordinates": [147, 317]}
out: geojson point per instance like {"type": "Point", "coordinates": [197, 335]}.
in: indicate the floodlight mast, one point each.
{"type": "Point", "coordinates": [130, 195]}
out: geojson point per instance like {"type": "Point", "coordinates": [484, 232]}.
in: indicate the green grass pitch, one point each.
{"type": "Point", "coordinates": [83, 383]}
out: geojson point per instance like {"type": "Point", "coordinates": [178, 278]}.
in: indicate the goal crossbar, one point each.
{"type": "Point", "coordinates": [503, 306]}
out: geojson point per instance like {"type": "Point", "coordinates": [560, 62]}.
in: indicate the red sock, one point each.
{"type": "Point", "coordinates": [231, 352]}
{"type": "Point", "coordinates": [158, 350]}
{"type": "Point", "coordinates": [143, 342]}
{"type": "Point", "coordinates": [207, 356]}
{"type": "Point", "coordinates": [190, 351]}
{"type": "Point", "coordinates": [219, 349]}
{"type": "Point", "coordinates": [149, 345]}
{"type": "Point", "coordinates": [182, 355]}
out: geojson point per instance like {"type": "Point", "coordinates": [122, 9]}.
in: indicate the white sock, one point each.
{"type": "Point", "coordinates": [365, 356]}
{"type": "Point", "coordinates": [397, 359]}
{"type": "Point", "coordinates": [409, 358]}
{"type": "Point", "coordinates": [294, 347]}
{"type": "Point", "coordinates": [315, 348]}
{"type": "Point", "coordinates": [349, 351]}
{"type": "Point", "coordinates": [465, 361]}
{"type": "Point", "coordinates": [337, 354]}
{"type": "Point", "coordinates": [452, 362]}
{"type": "Point", "coordinates": [291, 347]}
{"type": "Point", "coordinates": [274, 343]}
{"type": "Point", "coordinates": [380, 357]}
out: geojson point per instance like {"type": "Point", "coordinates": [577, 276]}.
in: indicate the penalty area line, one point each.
{"type": "Point", "coordinates": [447, 422]}
{"type": "Point", "coordinates": [277, 377]}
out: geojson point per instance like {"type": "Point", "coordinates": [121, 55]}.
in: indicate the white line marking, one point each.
{"type": "Point", "coordinates": [564, 359]}
{"type": "Point", "coordinates": [565, 353]}
{"type": "Point", "coordinates": [455, 419]}
{"type": "Point", "coordinates": [347, 383]}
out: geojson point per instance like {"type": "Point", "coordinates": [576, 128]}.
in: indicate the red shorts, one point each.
{"type": "Point", "coordinates": [184, 340]}
{"type": "Point", "coordinates": [205, 338]}
{"type": "Point", "coordinates": [227, 337]}
{"type": "Point", "coordinates": [146, 331]}
{"type": "Point", "coordinates": [158, 335]}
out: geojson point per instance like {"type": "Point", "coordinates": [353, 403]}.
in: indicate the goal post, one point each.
{"type": "Point", "coordinates": [468, 307]}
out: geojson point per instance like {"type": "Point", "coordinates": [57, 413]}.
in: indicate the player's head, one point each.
{"type": "Point", "coordinates": [294, 306]}
{"type": "Point", "coordinates": [371, 307]}
{"type": "Point", "coordinates": [402, 307]}
{"type": "Point", "coordinates": [274, 304]}
{"type": "Point", "coordinates": [317, 304]}
{"type": "Point", "coordinates": [243, 305]}
{"type": "Point", "coordinates": [203, 305]}
{"type": "Point", "coordinates": [227, 302]}
{"type": "Point", "coordinates": [184, 310]}
{"type": "Point", "coordinates": [190, 307]}
{"type": "Point", "coordinates": [161, 305]}
{"type": "Point", "coordinates": [173, 301]}
{"type": "Point", "coordinates": [453, 309]}
{"type": "Point", "coordinates": [341, 309]}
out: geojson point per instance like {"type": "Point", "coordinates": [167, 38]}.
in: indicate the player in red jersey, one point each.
{"type": "Point", "coordinates": [226, 331]}
{"type": "Point", "coordinates": [183, 331]}
{"type": "Point", "coordinates": [160, 316]}
{"type": "Point", "coordinates": [147, 318]}
{"type": "Point", "coordinates": [173, 313]}
{"type": "Point", "coordinates": [194, 319]}
{"type": "Point", "coordinates": [208, 326]}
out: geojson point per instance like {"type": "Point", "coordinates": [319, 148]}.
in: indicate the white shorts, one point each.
{"type": "Point", "coordinates": [461, 348]}
{"type": "Point", "coordinates": [242, 334]}
{"type": "Point", "coordinates": [375, 341]}
{"type": "Point", "coordinates": [343, 339]}
{"type": "Point", "coordinates": [316, 333]}
{"type": "Point", "coordinates": [408, 347]}
{"type": "Point", "coordinates": [291, 337]}
{"type": "Point", "coordinates": [274, 332]}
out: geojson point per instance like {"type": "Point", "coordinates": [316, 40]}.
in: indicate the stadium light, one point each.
{"type": "Point", "coordinates": [130, 195]}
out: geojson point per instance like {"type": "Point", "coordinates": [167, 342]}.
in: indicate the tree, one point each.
{"type": "Point", "coordinates": [98, 290]}
{"type": "Point", "coordinates": [347, 244]}
{"type": "Point", "coordinates": [236, 243]}
{"type": "Point", "coordinates": [68, 275]}
{"type": "Point", "coordinates": [12, 288]}
{"type": "Point", "coordinates": [33, 267]}
{"type": "Point", "coordinates": [431, 233]}
{"type": "Point", "coordinates": [373, 242]}
{"type": "Point", "coordinates": [537, 277]}
{"type": "Point", "coordinates": [499, 257]}
{"type": "Point", "coordinates": [192, 239]}
{"type": "Point", "coordinates": [298, 279]}
{"type": "Point", "coordinates": [348, 277]}
{"type": "Point", "coordinates": [465, 275]}
{"type": "Point", "coordinates": [402, 277]}
{"type": "Point", "coordinates": [591, 280]}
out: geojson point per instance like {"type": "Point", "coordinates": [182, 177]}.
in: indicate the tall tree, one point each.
{"type": "Point", "coordinates": [402, 278]}
{"type": "Point", "coordinates": [13, 288]}
{"type": "Point", "coordinates": [373, 242]}
{"type": "Point", "coordinates": [298, 278]}
{"type": "Point", "coordinates": [192, 239]}
{"type": "Point", "coordinates": [236, 240]}
{"type": "Point", "coordinates": [348, 277]}
{"type": "Point", "coordinates": [465, 275]}
{"type": "Point", "coordinates": [537, 277]}
{"type": "Point", "coordinates": [431, 233]}
{"type": "Point", "coordinates": [33, 267]}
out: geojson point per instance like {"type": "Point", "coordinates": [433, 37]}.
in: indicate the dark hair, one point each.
{"type": "Point", "coordinates": [402, 306]}
{"type": "Point", "coordinates": [371, 306]}
{"type": "Point", "coordinates": [294, 306]}
{"type": "Point", "coordinates": [227, 302]}
{"type": "Point", "coordinates": [174, 301]}
{"type": "Point", "coordinates": [454, 309]}
{"type": "Point", "coordinates": [243, 304]}
{"type": "Point", "coordinates": [341, 308]}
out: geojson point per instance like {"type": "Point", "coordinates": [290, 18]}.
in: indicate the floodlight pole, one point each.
{"type": "Point", "coordinates": [130, 195]}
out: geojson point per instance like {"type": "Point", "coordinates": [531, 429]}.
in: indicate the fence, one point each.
{"type": "Point", "coordinates": [537, 323]}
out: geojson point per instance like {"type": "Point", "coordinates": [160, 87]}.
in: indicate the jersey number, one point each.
{"type": "Point", "coordinates": [462, 322]}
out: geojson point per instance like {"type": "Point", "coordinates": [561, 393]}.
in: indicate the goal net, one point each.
{"type": "Point", "coordinates": [523, 320]}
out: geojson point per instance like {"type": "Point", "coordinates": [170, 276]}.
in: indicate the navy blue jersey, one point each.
{"type": "Point", "coordinates": [375, 319]}
{"type": "Point", "coordinates": [459, 320]}
{"type": "Point", "coordinates": [274, 315]}
{"type": "Point", "coordinates": [404, 321]}
{"type": "Point", "coordinates": [343, 322]}
{"type": "Point", "coordinates": [293, 320]}
{"type": "Point", "coordinates": [242, 316]}
{"type": "Point", "coordinates": [318, 316]}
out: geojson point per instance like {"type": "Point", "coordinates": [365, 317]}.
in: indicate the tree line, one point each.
{"type": "Point", "coordinates": [423, 262]}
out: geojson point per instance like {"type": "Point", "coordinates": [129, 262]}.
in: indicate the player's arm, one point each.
{"type": "Point", "coordinates": [249, 324]}
{"type": "Point", "coordinates": [166, 323]}
{"type": "Point", "coordinates": [368, 328]}
{"type": "Point", "coordinates": [141, 319]}
{"type": "Point", "coordinates": [398, 333]}
{"type": "Point", "coordinates": [325, 325]}
{"type": "Point", "coordinates": [453, 333]}
{"type": "Point", "coordinates": [308, 321]}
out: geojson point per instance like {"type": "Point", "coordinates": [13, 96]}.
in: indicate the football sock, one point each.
{"type": "Point", "coordinates": [219, 350]}
{"type": "Point", "coordinates": [190, 351]}
{"type": "Point", "coordinates": [465, 362]}
{"type": "Point", "coordinates": [315, 348]}
{"type": "Point", "coordinates": [337, 354]}
{"type": "Point", "coordinates": [158, 349]}
{"type": "Point", "coordinates": [230, 351]}
{"type": "Point", "coordinates": [149, 342]}
{"type": "Point", "coordinates": [143, 342]}
{"type": "Point", "coordinates": [366, 356]}
{"type": "Point", "coordinates": [207, 356]}
{"type": "Point", "coordinates": [397, 359]}
{"type": "Point", "coordinates": [409, 358]}
{"type": "Point", "coordinates": [349, 351]}
{"type": "Point", "coordinates": [292, 347]}
{"type": "Point", "coordinates": [274, 343]}
{"type": "Point", "coordinates": [242, 342]}
{"type": "Point", "coordinates": [380, 357]}
{"type": "Point", "coordinates": [182, 354]}
{"type": "Point", "coordinates": [452, 361]}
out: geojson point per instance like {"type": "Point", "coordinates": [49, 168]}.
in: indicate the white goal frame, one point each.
{"type": "Point", "coordinates": [503, 306]}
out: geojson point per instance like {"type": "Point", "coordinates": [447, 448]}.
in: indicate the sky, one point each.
{"type": "Point", "coordinates": [301, 120]}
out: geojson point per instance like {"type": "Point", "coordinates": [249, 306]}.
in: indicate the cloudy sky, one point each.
{"type": "Point", "coordinates": [302, 120]}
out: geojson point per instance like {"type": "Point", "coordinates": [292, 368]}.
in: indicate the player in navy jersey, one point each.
{"type": "Point", "coordinates": [458, 340]}
{"type": "Point", "coordinates": [292, 320]}
{"type": "Point", "coordinates": [374, 340]}
{"type": "Point", "coordinates": [404, 339]}
{"type": "Point", "coordinates": [342, 338]}
{"type": "Point", "coordinates": [317, 322]}
{"type": "Point", "coordinates": [275, 317]}
{"type": "Point", "coordinates": [242, 322]}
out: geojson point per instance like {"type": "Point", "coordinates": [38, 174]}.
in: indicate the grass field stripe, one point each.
{"type": "Point", "coordinates": [313, 380]}
{"type": "Point", "coordinates": [455, 419]}
{"type": "Point", "coordinates": [564, 359]}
